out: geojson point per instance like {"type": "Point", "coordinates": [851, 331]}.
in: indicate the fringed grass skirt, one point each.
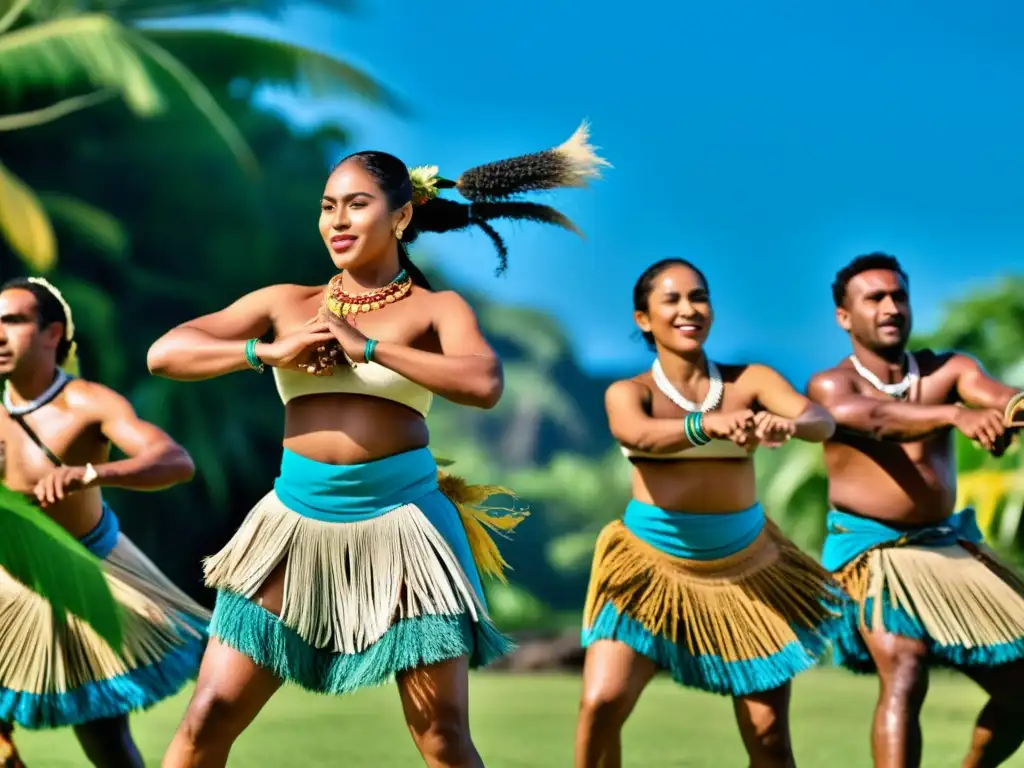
{"type": "Point", "coordinates": [725, 603]}
{"type": "Point", "coordinates": [381, 573]}
{"type": "Point", "coordinates": [937, 584]}
{"type": "Point", "coordinates": [54, 674]}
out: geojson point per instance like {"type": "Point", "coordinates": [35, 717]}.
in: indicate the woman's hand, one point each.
{"type": "Point", "coordinates": [351, 341]}
{"type": "Point", "coordinates": [736, 426]}
{"type": "Point", "coordinates": [771, 430]}
{"type": "Point", "coordinates": [298, 349]}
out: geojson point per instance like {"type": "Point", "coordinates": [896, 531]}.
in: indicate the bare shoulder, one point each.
{"type": "Point", "coordinates": [840, 379]}
{"type": "Point", "coordinates": [444, 300]}
{"type": "Point", "coordinates": [636, 389]}
{"type": "Point", "coordinates": [93, 400]}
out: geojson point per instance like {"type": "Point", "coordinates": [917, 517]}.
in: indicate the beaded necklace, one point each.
{"type": "Point", "coordinates": [341, 303]}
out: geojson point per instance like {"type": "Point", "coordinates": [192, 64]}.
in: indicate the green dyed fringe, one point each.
{"type": "Point", "coordinates": [408, 644]}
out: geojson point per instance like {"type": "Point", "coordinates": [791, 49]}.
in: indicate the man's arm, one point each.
{"type": "Point", "coordinates": [976, 388]}
{"type": "Point", "coordinates": [812, 422]}
{"type": "Point", "coordinates": [872, 417]}
{"type": "Point", "coordinates": [154, 460]}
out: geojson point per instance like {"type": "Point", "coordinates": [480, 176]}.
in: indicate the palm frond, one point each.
{"type": "Point", "coordinates": [44, 557]}
{"type": "Point", "coordinates": [10, 12]}
{"type": "Point", "coordinates": [36, 117]}
{"type": "Point", "coordinates": [276, 62]}
{"type": "Point", "coordinates": [201, 98]}
{"type": "Point", "coordinates": [70, 53]}
{"type": "Point", "coordinates": [89, 223]}
{"type": "Point", "coordinates": [24, 223]}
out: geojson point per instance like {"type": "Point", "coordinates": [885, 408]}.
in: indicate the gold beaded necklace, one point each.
{"type": "Point", "coordinates": [341, 303]}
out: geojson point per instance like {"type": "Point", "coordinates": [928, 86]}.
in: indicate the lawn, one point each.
{"type": "Point", "coordinates": [528, 722]}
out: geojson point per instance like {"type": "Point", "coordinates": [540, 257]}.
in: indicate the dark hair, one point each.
{"type": "Point", "coordinates": [489, 188]}
{"type": "Point", "coordinates": [48, 309]}
{"type": "Point", "coordinates": [865, 263]}
{"type": "Point", "coordinates": [644, 284]}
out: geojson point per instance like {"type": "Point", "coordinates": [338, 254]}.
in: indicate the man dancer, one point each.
{"type": "Point", "coordinates": [926, 591]}
{"type": "Point", "coordinates": [55, 436]}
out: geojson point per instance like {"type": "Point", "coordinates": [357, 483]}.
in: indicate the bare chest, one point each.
{"type": "Point", "coordinates": [73, 440]}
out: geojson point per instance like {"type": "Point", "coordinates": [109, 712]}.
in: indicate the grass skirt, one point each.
{"type": "Point", "coordinates": [54, 674]}
{"type": "Point", "coordinates": [381, 575]}
{"type": "Point", "coordinates": [960, 600]}
{"type": "Point", "coordinates": [737, 624]}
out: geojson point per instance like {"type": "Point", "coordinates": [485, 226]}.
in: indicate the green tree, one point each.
{"type": "Point", "coordinates": [146, 54]}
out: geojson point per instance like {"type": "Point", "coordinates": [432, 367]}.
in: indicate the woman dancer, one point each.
{"type": "Point", "coordinates": [694, 580]}
{"type": "Point", "coordinates": [357, 567]}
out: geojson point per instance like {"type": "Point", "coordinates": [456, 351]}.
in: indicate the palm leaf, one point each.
{"type": "Point", "coordinates": [89, 50]}
{"type": "Point", "coordinates": [46, 558]}
{"type": "Point", "coordinates": [24, 223]}
{"type": "Point", "coordinates": [275, 62]}
{"type": "Point", "coordinates": [89, 223]}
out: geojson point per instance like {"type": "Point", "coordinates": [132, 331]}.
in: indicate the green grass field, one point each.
{"type": "Point", "coordinates": [528, 722]}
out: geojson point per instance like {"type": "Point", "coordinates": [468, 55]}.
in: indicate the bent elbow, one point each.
{"type": "Point", "coordinates": [186, 466]}
{"type": "Point", "coordinates": [490, 393]}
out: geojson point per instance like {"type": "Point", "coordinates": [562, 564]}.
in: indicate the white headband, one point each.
{"type": "Point", "coordinates": [69, 325]}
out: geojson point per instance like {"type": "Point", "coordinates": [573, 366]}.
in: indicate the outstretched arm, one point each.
{"type": "Point", "coordinates": [977, 389]}
{"type": "Point", "coordinates": [879, 419]}
{"type": "Point", "coordinates": [466, 371]}
{"type": "Point", "coordinates": [632, 427]}
{"type": "Point", "coordinates": [811, 422]}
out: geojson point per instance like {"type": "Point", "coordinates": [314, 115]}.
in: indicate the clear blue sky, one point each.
{"type": "Point", "coordinates": [767, 142]}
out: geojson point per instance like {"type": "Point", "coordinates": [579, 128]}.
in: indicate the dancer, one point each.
{"type": "Point", "coordinates": [694, 580]}
{"type": "Point", "coordinates": [56, 431]}
{"type": "Point", "coordinates": [358, 567]}
{"type": "Point", "coordinates": [927, 590]}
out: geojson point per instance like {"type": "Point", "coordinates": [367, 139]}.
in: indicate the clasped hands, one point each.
{"type": "Point", "coordinates": [748, 429]}
{"type": "Point", "coordinates": [317, 346]}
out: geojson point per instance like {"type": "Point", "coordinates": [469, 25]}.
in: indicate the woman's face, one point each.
{"type": "Point", "coordinates": [356, 223]}
{"type": "Point", "coordinates": [678, 310]}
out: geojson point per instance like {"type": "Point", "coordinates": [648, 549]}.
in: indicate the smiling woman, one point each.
{"type": "Point", "coordinates": [694, 580]}
{"type": "Point", "coordinates": [363, 562]}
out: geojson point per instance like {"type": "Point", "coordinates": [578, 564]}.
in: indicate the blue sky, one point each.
{"type": "Point", "coordinates": [767, 142]}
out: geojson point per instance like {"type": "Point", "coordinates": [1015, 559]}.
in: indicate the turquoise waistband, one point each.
{"type": "Point", "coordinates": [850, 536]}
{"type": "Point", "coordinates": [102, 539]}
{"type": "Point", "coordinates": [354, 491]}
{"type": "Point", "coordinates": [694, 536]}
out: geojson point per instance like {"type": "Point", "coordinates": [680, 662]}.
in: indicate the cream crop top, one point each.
{"type": "Point", "coordinates": [368, 379]}
{"type": "Point", "coordinates": [716, 449]}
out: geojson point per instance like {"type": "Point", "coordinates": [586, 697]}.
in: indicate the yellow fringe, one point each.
{"type": "Point", "coordinates": [962, 594]}
{"type": "Point", "coordinates": [476, 518]}
{"type": "Point", "coordinates": [739, 607]}
{"type": "Point", "coordinates": [40, 656]}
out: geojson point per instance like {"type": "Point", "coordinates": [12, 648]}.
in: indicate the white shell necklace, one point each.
{"type": "Point", "coordinates": [32, 405]}
{"type": "Point", "coordinates": [897, 390]}
{"type": "Point", "coordinates": [711, 400]}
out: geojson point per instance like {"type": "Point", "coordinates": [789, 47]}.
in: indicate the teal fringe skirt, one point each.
{"type": "Point", "coordinates": [54, 675]}
{"type": "Point", "coordinates": [379, 576]}
{"type": "Point", "coordinates": [938, 584]}
{"type": "Point", "coordinates": [723, 602]}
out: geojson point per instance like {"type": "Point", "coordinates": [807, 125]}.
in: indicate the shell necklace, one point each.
{"type": "Point", "coordinates": [711, 400]}
{"type": "Point", "coordinates": [32, 405]}
{"type": "Point", "coordinates": [900, 388]}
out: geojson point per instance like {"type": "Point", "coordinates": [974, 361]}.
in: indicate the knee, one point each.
{"type": "Point", "coordinates": [446, 737]}
{"type": "Point", "coordinates": [768, 738]}
{"type": "Point", "coordinates": [208, 718]}
{"type": "Point", "coordinates": [605, 708]}
{"type": "Point", "coordinates": [905, 677]}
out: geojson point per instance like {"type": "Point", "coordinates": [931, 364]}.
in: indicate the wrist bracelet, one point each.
{"type": "Point", "coordinates": [250, 356]}
{"type": "Point", "coordinates": [693, 426]}
{"type": "Point", "coordinates": [371, 344]}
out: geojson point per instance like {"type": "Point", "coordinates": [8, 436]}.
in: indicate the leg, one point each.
{"type": "Point", "coordinates": [435, 700]}
{"type": "Point", "coordinates": [8, 752]}
{"type": "Point", "coordinates": [614, 676]}
{"type": "Point", "coordinates": [764, 725]}
{"type": "Point", "coordinates": [903, 679]}
{"type": "Point", "coordinates": [999, 730]}
{"type": "Point", "coordinates": [230, 692]}
{"type": "Point", "coordinates": [108, 743]}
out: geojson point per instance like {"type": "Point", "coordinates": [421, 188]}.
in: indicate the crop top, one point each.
{"type": "Point", "coordinates": [716, 449]}
{"type": "Point", "coordinates": [369, 379]}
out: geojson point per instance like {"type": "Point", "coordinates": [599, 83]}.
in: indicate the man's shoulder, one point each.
{"type": "Point", "coordinates": [90, 398]}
